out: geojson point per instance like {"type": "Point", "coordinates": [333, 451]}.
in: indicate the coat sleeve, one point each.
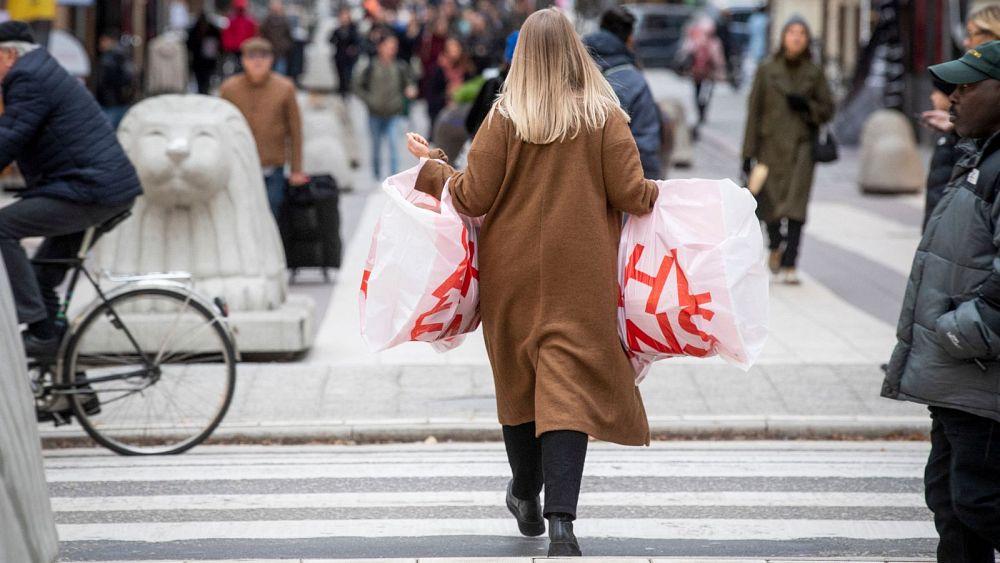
{"type": "Point", "coordinates": [821, 106]}
{"type": "Point", "coordinates": [24, 112]}
{"type": "Point", "coordinates": [627, 188]}
{"type": "Point", "coordinates": [645, 128]}
{"type": "Point", "coordinates": [755, 110]}
{"type": "Point", "coordinates": [972, 330]}
{"type": "Point", "coordinates": [475, 189]}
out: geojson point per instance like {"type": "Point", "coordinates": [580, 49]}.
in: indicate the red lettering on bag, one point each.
{"type": "Point", "coordinates": [364, 283]}
{"type": "Point", "coordinates": [460, 279]}
{"type": "Point", "coordinates": [690, 306]}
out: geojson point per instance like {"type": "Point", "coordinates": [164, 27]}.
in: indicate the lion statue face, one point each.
{"type": "Point", "coordinates": [203, 208]}
{"type": "Point", "coordinates": [183, 158]}
{"type": "Point", "coordinates": [181, 162]}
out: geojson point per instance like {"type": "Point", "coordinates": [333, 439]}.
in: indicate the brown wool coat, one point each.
{"type": "Point", "coordinates": [782, 138]}
{"type": "Point", "coordinates": [547, 273]}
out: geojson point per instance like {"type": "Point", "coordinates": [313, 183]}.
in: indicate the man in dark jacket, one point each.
{"type": "Point", "coordinates": [948, 355]}
{"type": "Point", "coordinates": [114, 78]}
{"type": "Point", "coordinates": [610, 48]}
{"type": "Point", "coordinates": [76, 171]}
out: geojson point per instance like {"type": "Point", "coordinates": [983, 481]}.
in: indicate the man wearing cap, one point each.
{"type": "Point", "coordinates": [948, 354]}
{"type": "Point", "coordinates": [267, 101]}
{"type": "Point", "coordinates": [76, 172]}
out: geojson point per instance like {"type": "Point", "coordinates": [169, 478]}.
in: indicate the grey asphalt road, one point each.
{"type": "Point", "coordinates": [761, 499]}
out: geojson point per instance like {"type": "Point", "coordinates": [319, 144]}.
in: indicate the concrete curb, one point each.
{"type": "Point", "coordinates": [682, 427]}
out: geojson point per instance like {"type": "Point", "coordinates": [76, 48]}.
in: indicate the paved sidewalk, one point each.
{"type": "Point", "coordinates": [818, 375]}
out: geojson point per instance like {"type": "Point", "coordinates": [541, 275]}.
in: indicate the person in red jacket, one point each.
{"type": "Point", "coordinates": [241, 27]}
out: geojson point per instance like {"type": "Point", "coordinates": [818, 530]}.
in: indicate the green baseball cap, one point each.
{"type": "Point", "coordinates": [977, 64]}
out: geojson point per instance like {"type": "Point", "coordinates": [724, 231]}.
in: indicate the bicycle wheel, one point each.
{"type": "Point", "coordinates": [161, 365]}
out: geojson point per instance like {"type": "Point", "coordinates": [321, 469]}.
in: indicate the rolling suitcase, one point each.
{"type": "Point", "coordinates": [310, 225]}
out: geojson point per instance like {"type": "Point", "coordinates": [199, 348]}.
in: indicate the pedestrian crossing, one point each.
{"type": "Point", "coordinates": [760, 499]}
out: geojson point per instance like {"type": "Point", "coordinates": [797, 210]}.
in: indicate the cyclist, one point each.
{"type": "Point", "coordinates": [76, 172]}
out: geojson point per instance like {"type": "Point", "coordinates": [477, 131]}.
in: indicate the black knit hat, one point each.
{"type": "Point", "coordinates": [16, 31]}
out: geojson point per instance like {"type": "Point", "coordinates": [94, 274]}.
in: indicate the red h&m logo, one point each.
{"type": "Point", "coordinates": [460, 279]}
{"type": "Point", "coordinates": [690, 306]}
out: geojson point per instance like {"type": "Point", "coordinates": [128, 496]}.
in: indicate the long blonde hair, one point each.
{"type": "Point", "coordinates": [554, 88]}
{"type": "Point", "coordinates": [987, 19]}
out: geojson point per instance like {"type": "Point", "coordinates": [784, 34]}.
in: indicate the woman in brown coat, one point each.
{"type": "Point", "coordinates": [552, 169]}
{"type": "Point", "coordinates": [789, 101]}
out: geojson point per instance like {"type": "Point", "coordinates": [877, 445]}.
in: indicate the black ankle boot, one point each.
{"type": "Point", "coordinates": [562, 542]}
{"type": "Point", "coordinates": [527, 512]}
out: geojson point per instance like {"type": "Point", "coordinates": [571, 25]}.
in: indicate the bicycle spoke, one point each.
{"type": "Point", "coordinates": [184, 371]}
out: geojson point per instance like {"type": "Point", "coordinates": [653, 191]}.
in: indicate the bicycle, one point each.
{"type": "Point", "coordinates": [147, 368]}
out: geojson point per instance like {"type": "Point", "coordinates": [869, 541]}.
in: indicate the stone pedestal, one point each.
{"type": "Point", "coordinates": [204, 211]}
{"type": "Point", "coordinates": [890, 161]}
{"type": "Point", "coordinates": [27, 527]}
{"type": "Point", "coordinates": [683, 155]}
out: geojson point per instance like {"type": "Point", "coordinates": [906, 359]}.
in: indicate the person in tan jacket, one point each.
{"type": "Point", "coordinates": [267, 101]}
{"type": "Point", "coordinates": [552, 168]}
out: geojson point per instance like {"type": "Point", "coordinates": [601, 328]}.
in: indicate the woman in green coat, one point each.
{"type": "Point", "coordinates": [789, 101]}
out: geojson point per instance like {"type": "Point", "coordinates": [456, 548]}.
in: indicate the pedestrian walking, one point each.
{"type": "Point", "coordinates": [703, 60]}
{"type": "Point", "coordinates": [452, 70]}
{"type": "Point", "coordinates": [278, 31]}
{"type": "Point", "coordinates": [114, 84]}
{"type": "Point", "coordinates": [609, 47]}
{"type": "Point", "coordinates": [385, 85]}
{"type": "Point", "coordinates": [560, 371]}
{"type": "Point", "coordinates": [241, 27]}
{"type": "Point", "coordinates": [204, 44]}
{"type": "Point", "coordinates": [483, 103]}
{"type": "Point", "coordinates": [267, 101]}
{"type": "Point", "coordinates": [949, 329]}
{"type": "Point", "coordinates": [346, 43]}
{"type": "Point", "coordinates": [789, 101]}
{"type": "Point", "coordinates": [982, 26]}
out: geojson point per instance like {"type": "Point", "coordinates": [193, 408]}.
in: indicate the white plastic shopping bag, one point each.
{"type": "Point", "coordinates": [691, 276]}
{"type": "Point", "coordinates": [421, 281]}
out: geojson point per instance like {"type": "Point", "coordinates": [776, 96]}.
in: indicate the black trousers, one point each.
{"type": "Point", "coordinates": [555, 460]}
{"type": "Point", "coordinates": [962, 485]}
{"type": "Point", "coordinates": [791, 238]}
{"type": "Point", "coordinates": [62, 224]}
{"type": "Point", "coordinates": [703, 97]}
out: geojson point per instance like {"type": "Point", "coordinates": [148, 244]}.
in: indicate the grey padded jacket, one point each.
{"type": "Point", "coordinates": [948, 350]}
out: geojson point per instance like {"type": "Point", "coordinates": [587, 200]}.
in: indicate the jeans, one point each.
{"type": "Point", "coordinates": [275, 184]}
{"type": "Point", "coordinates": [280, 65]}
{"type": "Point", "coordinates": [62, 223]}
{"type": "Point", "coordinates": [703, 97]}
{"type": "Point", "coordinates": [791, 239]}
{"type": "Point", "coordinates": [554, 460]}
{"type": "Point", "coordinates": [962, 485]}
{"type": "Point", "coordinates": [387, 129]}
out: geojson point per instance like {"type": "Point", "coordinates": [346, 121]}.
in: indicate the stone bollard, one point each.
{"type": "Point", "coordinates": [890, 161]}
{"type": "Point", "coordinates": [204, 211]}
{"type": "Point", "coordinates": [27, 527]}
{"type": "Point", "coordinates": [683, 154]}
{"type": "Point", "coordinates": [167, 65]}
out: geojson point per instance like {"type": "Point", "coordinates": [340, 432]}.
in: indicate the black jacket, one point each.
{"type": "Point", "coordinates": [618, 66]}
{"type": "Point", "coordinates": [60, 138]}
{"type": "Point", "coordinates": [114, 79]}
{"type": "Point", "coordinates": [942, 163]}
{"type": "Point", "coordinates": [948, 354]}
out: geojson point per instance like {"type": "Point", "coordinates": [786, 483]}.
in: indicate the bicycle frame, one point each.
{"type": "Point", "coordinates": [166, 281]}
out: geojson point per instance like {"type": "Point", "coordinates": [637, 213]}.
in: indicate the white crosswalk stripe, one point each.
{"type": "Point", "coordinates": [805, 493]}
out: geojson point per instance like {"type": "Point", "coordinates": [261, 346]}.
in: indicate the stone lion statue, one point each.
{"type": "Point", "coordinates": [204, 208]}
